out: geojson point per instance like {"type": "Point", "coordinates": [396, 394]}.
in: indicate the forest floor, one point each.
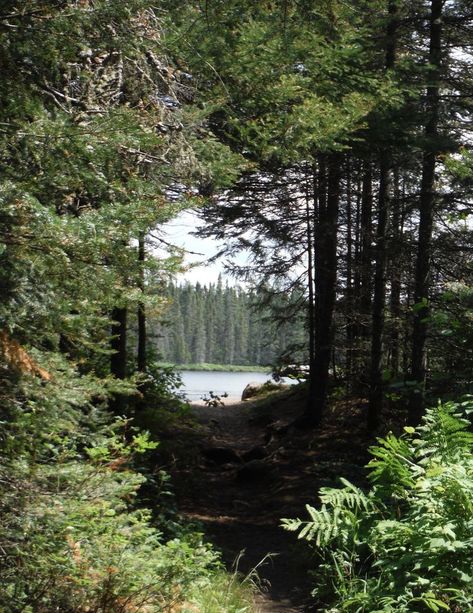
{"type": "Point", "coordinates": [243, 468]}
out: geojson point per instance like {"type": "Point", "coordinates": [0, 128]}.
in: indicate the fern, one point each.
{"type": "Point", "coordinates": [350, 496]}
{"type": "Point", "coordinates": [407, 544]}
{"type": "Point", "coordinates": [445, 432]}
{"type": "Point", "coordinates": [336, 518]}
{"type": "Point", "coordinates": [391, 466]}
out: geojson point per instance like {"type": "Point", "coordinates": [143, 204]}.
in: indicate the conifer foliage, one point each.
{"type": "Point", "coordinates": [219, 324]}
{"type": "Point", "coordinates": [329, 140]}
{"type": "Point", "coordinates": [351, 116]}
{"type": "Point", "coordinates": [94, 132]}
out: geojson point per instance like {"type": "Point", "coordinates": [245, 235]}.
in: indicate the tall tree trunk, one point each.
{"type": "Point", "coordinates": [406, 338]}
{"type": "Point", "coordinates": [365, 271]}
{"type": "Point", "coordinates": [325, 280]}
{"type": "Point", "coordinates": [118, 342]}
{"type": "Point", "coordinates": [141, 357]}
{"type": "Point", "coordinates": [426, 215]}
{"type": "Point", "coordinates": [349, 284]}
{"type": "Point", "coordinates": [310, 284]}
{"type": "Point", "coordinates": [395, 294]}
{"type": "Point", "coordinates": [379, 298]}
{"type": "Point", "coordinates": [355, 333]}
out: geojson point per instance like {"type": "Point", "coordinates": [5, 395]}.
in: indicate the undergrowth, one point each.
{"type": "Point", "coordinates": [406, 545]}
{"type": "Point", "coordinates": [72, 536]}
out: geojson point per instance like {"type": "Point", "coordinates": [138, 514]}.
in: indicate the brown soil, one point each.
{"type": "Point", "coordinates": [272, 471]}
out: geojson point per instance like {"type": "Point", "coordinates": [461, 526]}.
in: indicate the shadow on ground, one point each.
{"type": "Point", "coordinates": [244, 467]}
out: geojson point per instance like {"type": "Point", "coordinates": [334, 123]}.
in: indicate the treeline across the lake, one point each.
{"type": "Point", "coordinates": [224, 324]}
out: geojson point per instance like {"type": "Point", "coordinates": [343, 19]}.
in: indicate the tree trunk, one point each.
{"type": "Point", "coordinates": [349, 284]}
{"type": "Point", "coordinates": [365, 273]}
{"type": "Point", "coordinates": [310, 284]}
{"type": "Point", "coordinates": [379, 298]}
{"type": "Point", "coordinates": [141, 358]}
{"type": "Point", "coordinates": [325, 281]}
{"type": "Point", "coordinates": [426, 211]}
{"type": "Point", "coordinates": [395, 294]}
{"type": "Point", "coordinates": [355, 325]}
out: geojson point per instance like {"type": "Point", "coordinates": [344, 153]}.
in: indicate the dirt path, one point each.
{"type": "Point", "coordinates": [243, 470]}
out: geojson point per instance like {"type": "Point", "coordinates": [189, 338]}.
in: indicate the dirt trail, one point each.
{"type": "Point", "coordinates": [244, 470]}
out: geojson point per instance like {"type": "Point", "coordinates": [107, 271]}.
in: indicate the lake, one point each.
{"type": "Point", "coordinates": [199, 383]}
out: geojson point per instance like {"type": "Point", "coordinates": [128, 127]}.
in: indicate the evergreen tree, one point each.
{"type": "Point", "coordinates": [340, 112]}
{"type": "Point", "coordinates": [245, 333]}
{"type": "Point", "coordinates": [95, 133]}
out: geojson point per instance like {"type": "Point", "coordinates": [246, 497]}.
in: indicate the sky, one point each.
{"type": "Point", "coordinates": [178, 232]}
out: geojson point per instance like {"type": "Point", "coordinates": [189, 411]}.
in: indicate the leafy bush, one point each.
{"type": "Point", "coordinates": [72, 538]}
{"type": "Point", "coordinates": [71, 543]}
{"type": "Point", "coordinates": [406, 545]}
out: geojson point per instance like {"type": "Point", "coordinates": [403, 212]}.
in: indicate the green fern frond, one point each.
{"type": "Point", "coordinates": [350, 496]}
{"type": "Point", "coordinates": [446, 432]}
{"type": "Point", "coordinates": [392, 464]}
{"type": "Point", "coordinates": [336, 517]}
{"type": "Point", "coordinates": [407, 544]}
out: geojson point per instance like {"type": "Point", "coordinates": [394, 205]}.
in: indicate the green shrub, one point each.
{"type": "Point", "coordinates": [406, 545]}
{"type": "Point", "coordinates": [72, 538]}
{"type": "Point", "coordinates": [71, 543]}
{"type": "Point", "coordinates": [161, 403]}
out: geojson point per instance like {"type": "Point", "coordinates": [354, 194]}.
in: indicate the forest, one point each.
{"type": "Point", "coordinates": [330, 142]}
{"type": "Point", "coordinates": [219, 324]}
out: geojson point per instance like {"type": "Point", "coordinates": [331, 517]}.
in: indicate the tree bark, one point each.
{"type": "Point", "coordinates": [426, 212]}
{"type": "Point", "coordinates": [364, 273]}
{"type": "Point", "coordinates": [325, 281]}
{"type": "Point", "coordinates": [355, 325]}
{"type": "Point", "coordinates": [395, 294]}
{"type": "Point", "coordinates": [349, 306]}
{"type": "Point", "coordinates": [379, 299]}
{"type": "Point", "coordinates": [310, 284]}
{"type": "Point", "coordinates": [142, 338]}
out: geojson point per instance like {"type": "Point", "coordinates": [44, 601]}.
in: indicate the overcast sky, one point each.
{"type": "Point", "coordinates": [178, 231]}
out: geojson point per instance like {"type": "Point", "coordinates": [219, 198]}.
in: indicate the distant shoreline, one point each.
{"type": "Point", "coordinates": [228, 401]}
{"type": "Point", "coordinates": [217, 367]}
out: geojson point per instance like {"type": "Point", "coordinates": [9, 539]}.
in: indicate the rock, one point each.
{"type": "Point", "coordinates": [276, 430]}
{"type": "Point", "coordinates": [251, 390]}
{"type": "Point", "coordinates": [262, 389]}
{"type": "Point", "coordinates": [221, 455]}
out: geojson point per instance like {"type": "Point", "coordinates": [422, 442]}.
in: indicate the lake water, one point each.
{"type": "Point", "coordinates": [198, 383]}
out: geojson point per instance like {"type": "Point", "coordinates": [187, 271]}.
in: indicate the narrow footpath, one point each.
{"type": "Point", "coordinates": [244, 468]}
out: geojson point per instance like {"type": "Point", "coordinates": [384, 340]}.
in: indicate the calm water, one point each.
{"type": "Point", "coordinates": [198, 384]}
